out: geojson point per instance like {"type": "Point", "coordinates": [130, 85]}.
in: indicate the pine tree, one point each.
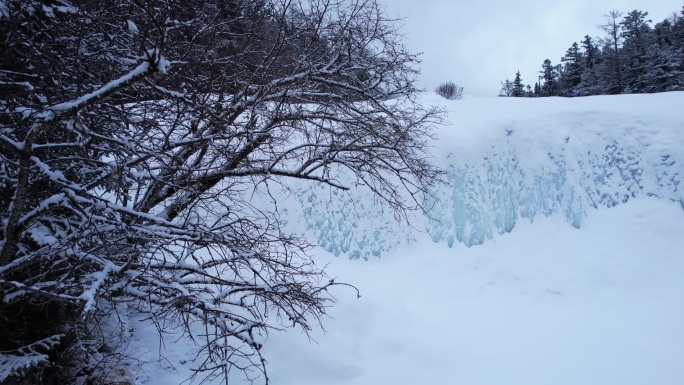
{"type": "Point", "coordinates": [637, 36]}
{"type": "Point", "coordinates": [664, 69]}
{"type": "Point", "coordinates": [591, 54]}
{"type": "Point", "coordinates": [550, 77]}
{"type": "Point", "coordinates": [518, 87]}
{"type": "Point", "coordinates": [572, 70]}
{"type": "Point", "coordinates": [678, 29]}
{"type": "Point", "coordinates": [591, 60]}
{"type": "Point", "coordinates": [633, 58]}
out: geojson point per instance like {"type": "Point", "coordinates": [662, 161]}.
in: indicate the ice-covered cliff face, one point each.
{"type": "Point", "coordinates": [511, 159]}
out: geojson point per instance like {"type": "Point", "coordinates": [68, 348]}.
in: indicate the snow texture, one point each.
{"type": "Point", "coordinates": [545, 304]}
{"type": "Point", "coordinates": [132, 28]}
{"type": "Point", "coordinates": [529, 158]}
{"type": "Point", "coordinates": [588, 292]}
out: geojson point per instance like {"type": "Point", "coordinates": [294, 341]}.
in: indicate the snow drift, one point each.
{"type": "Point", "coordinates": [511, 159]}
{"type": "Point", "coordinates": [586, 288]}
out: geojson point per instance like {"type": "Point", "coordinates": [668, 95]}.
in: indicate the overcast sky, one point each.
{"type": "Point", "coordinates": [479, 43]}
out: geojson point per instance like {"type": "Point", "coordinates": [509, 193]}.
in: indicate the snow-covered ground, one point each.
{"type": "Point", "coordinates": [555, 256]}
{"type": "Point", "coordinates": [546, 304]}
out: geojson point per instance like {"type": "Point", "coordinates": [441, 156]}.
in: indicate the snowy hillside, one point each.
{"type": "Point", "coordinates": [586, 288]}
{"type": "Point", "coordinates": [545, 304]}
{"type": "Point", "coordinates": [514, 159]}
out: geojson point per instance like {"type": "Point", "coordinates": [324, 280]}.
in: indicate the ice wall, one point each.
{"type": "Point", "coordinates": [513, 160]}
{"type": "Point", "coordinates": [488, 196]}
{"type": "Point", "coordinates": [351, 223]}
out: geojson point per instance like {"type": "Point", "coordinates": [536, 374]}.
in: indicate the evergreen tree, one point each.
{"type": "Point", "coordinates": [591, 54]}
{"type": "Point", "coordinates": [678, 29]}
{"type": "Point", "coordinates": [572, 70]}
{"type": "Point", "coordinates": [591, 60]}
{"type": "Point", "coordinates": [550, 77]}
{"type": "Point", "coordinates": [664, 69]}
{"type": "Point", "coordinates": [637, 35]}
{"type": "Point", "coordinates": [633, 58]}
{"type": "Point", "coordinates": [518, 87]}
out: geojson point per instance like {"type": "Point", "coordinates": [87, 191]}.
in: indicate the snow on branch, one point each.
{"type": "Point", "coordinates": [146, 190]}
{"type": "Point", "coordinates": [151, 63]}
{"type": "Point", "coordinates": [16, 362]}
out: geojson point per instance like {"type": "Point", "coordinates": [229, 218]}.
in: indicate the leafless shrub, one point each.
{"type": "Point", "coordinates": [133, 134]}
{"type": "Point", "coordinates": [450, 90]}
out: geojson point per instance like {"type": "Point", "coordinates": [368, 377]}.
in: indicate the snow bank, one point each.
{"type": "Point", "coordinates": [546, 304]}
{"type": "Point", "coordinates": [511, 159]}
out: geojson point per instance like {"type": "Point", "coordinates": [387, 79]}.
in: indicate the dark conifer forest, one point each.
{"type": "Point", "coordinates": [633, 56]}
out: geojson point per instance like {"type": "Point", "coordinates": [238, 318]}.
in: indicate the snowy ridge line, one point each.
{"type": "Point", "coordinates": [531, 158]}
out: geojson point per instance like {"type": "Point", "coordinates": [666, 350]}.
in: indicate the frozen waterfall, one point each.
{"type": "Point", "coordinates": [534, 157]}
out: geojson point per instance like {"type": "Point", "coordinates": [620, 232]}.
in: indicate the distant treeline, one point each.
{"type": "Point", "coordinates": [633, 57]}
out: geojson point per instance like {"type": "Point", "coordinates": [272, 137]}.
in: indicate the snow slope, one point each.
{"type": "Point", "coordinates": [511, 159]}
{"type": "Point", "coordinates": [546, 304]}
{"type": "Point", "coordinates": [586, 288]}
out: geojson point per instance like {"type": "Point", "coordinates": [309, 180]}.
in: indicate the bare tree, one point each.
{"type": "Point", "coordinates": [612, 56]}
{"type": "Point", "coordinates": [506, 88]}
{"type": "Point", "coordinates": [133, 134]}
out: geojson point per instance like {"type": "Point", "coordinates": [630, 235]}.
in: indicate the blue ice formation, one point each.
{"type": "Point", "coordinates": [489, 190]}
{"type": "Point", "coordinates": [348, 223]}
{"type": "Point", "coordinates": [489, 196]}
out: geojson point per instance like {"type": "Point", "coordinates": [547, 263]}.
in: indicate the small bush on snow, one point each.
{"type": "Point", "coordinates": [450, 90]}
